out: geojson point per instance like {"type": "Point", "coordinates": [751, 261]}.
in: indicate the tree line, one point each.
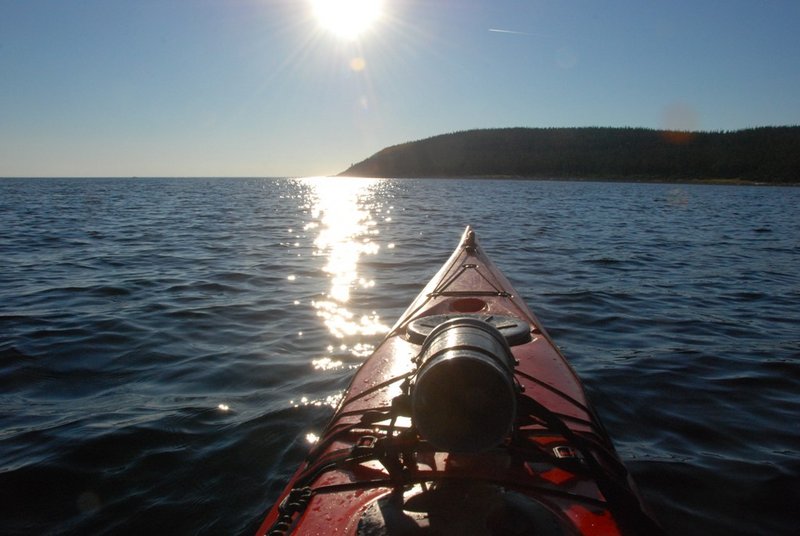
{"type": "Point", "coordinates": [766, 154]}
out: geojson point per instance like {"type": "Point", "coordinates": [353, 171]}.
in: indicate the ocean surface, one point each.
{"type": "Point", "coordinates": [169, 347]}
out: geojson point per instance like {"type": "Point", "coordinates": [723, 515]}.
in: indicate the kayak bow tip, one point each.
{"type": "Point", "coordinates": [469, 239]}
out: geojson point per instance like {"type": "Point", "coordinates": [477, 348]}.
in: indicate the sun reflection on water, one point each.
{"type": "Point", "coordinates": [329, 401]}
{"type": "Point", "coordinates": [346, 232]}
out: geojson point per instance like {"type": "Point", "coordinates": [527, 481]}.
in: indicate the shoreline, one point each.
{"type": "Point", "coordinates": [632, 180]}
{"type": "Point", "coordinates": [767, 155]}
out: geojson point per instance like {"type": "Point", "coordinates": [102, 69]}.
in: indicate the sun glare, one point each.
{"type": "Point", "coordinates": [347, 19]}
{"type": "Point", "coordinates": [346, 233]}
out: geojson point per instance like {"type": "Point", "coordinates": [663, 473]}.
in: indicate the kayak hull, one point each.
{"type": "Point", "coordinates": [371, 472]}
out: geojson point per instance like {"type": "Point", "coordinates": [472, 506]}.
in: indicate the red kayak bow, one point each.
{"type": "Point", "coordinates": [467, 419]}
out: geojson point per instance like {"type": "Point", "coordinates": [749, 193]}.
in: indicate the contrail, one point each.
{"type": "Point", "coordinates": [499, 30]}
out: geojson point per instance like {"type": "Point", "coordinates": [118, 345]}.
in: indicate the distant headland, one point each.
{"type": "Point", "coordinates": [764, 155]}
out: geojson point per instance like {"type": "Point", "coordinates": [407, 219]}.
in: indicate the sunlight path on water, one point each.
{"type": "Point", "coordinates": [345, 232]}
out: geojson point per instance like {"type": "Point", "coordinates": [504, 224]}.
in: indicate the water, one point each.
{"type": "Point", "coordinates": [169, 347]}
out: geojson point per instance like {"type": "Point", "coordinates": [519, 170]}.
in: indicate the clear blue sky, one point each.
{"type": "Point", "coordinates": [261, 88]}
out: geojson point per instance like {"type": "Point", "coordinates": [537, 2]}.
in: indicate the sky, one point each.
{"type": "Point", "coordinates": [273, 87]}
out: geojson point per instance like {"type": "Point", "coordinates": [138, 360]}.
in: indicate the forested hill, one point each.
{"type": "Point", "coordinates": [768, 154]}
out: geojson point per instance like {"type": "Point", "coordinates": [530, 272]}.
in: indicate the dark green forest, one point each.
{"type": "Point", "coordinates": [767, 154]}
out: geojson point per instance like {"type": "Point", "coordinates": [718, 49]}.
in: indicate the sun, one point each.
{"type": "Point", "coordinates": [347, 19]}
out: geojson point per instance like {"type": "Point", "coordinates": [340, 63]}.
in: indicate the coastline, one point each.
{"type": "Point", "coordinates": [758, 156]}
{"type": "Point", "coordinates": [710, 181]}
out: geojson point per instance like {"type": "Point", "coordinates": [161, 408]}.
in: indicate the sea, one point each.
{"type": "Point", "coordinates": [171, 348]}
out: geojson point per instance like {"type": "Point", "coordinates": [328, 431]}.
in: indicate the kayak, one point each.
{"type": "Point", "coordinates": [466, 419]}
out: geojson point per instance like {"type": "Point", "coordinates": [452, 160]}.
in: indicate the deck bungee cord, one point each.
{"type": "Point", "coordinates": [402, 469]}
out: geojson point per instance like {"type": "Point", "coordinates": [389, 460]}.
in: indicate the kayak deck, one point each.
{"type": "Point", "coordinates": [373, 472]}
